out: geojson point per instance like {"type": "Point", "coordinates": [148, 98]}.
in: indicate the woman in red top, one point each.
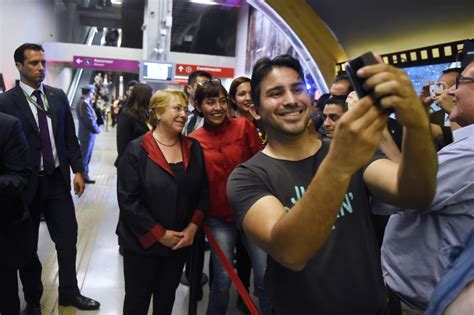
{"type": "Point", "coordinates": [240, 100]}
{"type": "Point", "coordinates": [226, 142]}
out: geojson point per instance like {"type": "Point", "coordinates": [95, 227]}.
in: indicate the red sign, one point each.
{"type": "Point", "coordinates": [181, 81]}
{"type": "Point", "coordinates": [218, 72]}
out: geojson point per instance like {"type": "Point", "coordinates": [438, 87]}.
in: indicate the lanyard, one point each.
{"type": "Point", "coordinates": [35, 104]}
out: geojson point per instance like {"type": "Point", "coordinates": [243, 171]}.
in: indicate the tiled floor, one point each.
{"type": "Point", "coordinates": [100, 274]}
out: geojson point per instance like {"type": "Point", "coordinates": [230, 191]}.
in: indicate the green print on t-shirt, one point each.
{"type": "Point", "coordinates": [299, 194]}
{"type": "Point", "coordinates": [346, 207]}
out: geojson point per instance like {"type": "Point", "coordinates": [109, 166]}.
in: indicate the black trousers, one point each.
{"type": "Point", "coordinates": [146, 276]}
{"type": "Point", "coordinates": [243, 264]}
{"type": "Point", "coordinates": [9, 300]}
{"type": "Point", "coordinates": [54, 201]}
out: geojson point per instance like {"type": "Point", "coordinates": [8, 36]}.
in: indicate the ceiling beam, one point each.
{"type": "Point", "coordinates": [314, 34]}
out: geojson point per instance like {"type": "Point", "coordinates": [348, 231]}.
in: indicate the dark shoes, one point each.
{"type": "Point", "coordinates": [32, 309]}
{"type": "Point", "coordinates": [89, 181]}
{"type": "Point", "coordinates": [184, 279]}
{"type": "Point", "coordinates": [80, 302]}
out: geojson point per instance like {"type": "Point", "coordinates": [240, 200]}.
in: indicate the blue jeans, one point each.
{"type": "Point", "coordinates": [258, 258]}
{"type": "Point", "coordinates": [225, 234]}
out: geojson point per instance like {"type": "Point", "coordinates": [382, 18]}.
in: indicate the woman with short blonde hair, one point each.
{"type": "Point", "coordinates": [162, 194]}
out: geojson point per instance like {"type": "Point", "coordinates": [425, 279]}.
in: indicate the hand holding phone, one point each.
{"type": "Point", "coordinates": [352, 66]}
{"type": "Point", "coordinates": [436, 89]}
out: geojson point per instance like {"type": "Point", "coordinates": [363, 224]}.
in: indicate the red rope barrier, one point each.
{"type": "Point", "coordinates": [231, 272]}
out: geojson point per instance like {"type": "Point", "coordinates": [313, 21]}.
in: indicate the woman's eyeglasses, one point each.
{"type": "Point", "coordinates": [179, 109]}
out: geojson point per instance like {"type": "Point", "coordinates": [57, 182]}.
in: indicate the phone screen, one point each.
{"type": "Point", "coordinates": [436, 89]}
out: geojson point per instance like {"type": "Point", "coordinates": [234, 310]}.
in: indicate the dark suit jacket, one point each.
{"type": "Point", "coordinates": [16, 229]}
{"type": "Point", "coordinates": [87, 121]}
{"type": "Point", "coordinates": [14, 102]}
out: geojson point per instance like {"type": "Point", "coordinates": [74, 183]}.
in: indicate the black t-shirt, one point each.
{"type": "Point", "coordinates": [344, 276]}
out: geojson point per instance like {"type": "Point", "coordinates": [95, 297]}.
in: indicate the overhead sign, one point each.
{"type": "Point", "coordinates": [97, 63]}
{"type": "Point", "coordinates": [219, 72]}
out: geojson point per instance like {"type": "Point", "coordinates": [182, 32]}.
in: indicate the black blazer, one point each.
{"type": "Point", "coordinates": [14, 102]}
{"type": "Point", "coordinates": [16, 229]}
{"type": "Point", "coordinates": [147, 195]}
{"type": "Point", "coordinates": [128, 128]}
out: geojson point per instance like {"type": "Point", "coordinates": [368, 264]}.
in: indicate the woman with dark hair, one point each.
{"type": "Point", "coordinates": [226, 142]}
{"type": "Point", "coordinates": [162, 195]}
{"type": "Point", "coordinates": [240, 98]}
{"type": "Point", "coordinates": [132, 121]}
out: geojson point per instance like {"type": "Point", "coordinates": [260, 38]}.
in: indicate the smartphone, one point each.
{"type": "Point", "coordinates": [436, 89]}
{"type": "Point", "coordinates": [351, 69]}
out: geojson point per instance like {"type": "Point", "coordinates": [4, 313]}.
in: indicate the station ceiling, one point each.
{"type": "Point", "coordinates": [389, 26]}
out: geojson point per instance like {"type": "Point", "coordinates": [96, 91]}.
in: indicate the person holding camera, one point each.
{"type": "Point", "coordinates": [441, 126]}
{"type": "Point", "coordinates": [306, 203]}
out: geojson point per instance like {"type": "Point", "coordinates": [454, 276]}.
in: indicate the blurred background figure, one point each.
{"type": "Point", "coordinates": [240, 99]}
{"type": "Point", "coordinates": [334, 108]}
{"type": "Point", "coordinates": [88, 129]}
{"type": "Point", "coordinates": [194, 80]}
{"type": "Point", "coordinates": [132, 121]}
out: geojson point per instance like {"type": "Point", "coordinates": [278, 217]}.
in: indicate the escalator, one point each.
{"type": "Point", "coordinates": [84, 77]}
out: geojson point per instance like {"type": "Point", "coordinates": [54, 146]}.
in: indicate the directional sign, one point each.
{"type": "Point", "coordinates": [108, 64]}
{"type": "Point", "coordinates": [219, 72]}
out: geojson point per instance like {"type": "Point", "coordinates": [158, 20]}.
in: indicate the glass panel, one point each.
{"type": "Point", "coordinates": [204, 29]}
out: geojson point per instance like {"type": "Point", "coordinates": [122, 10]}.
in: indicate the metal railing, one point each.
{"type": "Point", "coordinates": [78, 74]}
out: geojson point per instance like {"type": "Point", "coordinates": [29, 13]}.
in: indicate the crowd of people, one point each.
{"type": "Point", "coordinates": [336, 206]}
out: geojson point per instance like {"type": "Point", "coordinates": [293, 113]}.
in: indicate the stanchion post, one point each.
{"type": "Point", "coordinates": [195, 274]}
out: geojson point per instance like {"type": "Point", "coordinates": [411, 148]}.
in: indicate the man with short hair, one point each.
{"type": "Point", "coordinates": [48, 125]}
{"type": "Point", "coordinates": [441, 126]}
{"type": "Point", "coordinates": [341, 86]}
{"type": "Point", "coordinates": [334, 108]}
{"type": "Point", "coordinates": [306, 203]}
{"type": "Point", "coordinates": [412, 258]}
{"type": "Point", "coordinates": [88, 128]}
{"type": "Point", "coordinates": [194, 120]}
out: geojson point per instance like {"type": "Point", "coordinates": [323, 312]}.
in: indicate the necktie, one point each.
{"type": "Point", "coordinates": [46, 147]}
{"type": "Point", "coordinates": [192, 122]}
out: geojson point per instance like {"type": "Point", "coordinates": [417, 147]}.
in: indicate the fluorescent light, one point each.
{"type": "Point", "coordinates": [117, 1]}
{"type": "Point", "coordinates": [207, 2]}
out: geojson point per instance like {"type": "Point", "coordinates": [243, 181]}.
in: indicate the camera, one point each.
{"type": "Point", "coordinates": [436, 89]}
{"type": "Point", "coordinates": [351, 69]}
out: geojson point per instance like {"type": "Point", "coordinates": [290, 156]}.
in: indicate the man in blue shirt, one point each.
{"type": "Point", "coordinates": [412, 261]}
